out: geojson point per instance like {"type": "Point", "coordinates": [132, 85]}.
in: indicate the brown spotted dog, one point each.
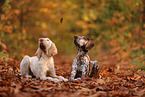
{"type": "Point", "coordinates": [82, 66]}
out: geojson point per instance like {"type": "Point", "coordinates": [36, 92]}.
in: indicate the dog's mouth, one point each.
{"type": "Point", "coordinates": [42, 46]}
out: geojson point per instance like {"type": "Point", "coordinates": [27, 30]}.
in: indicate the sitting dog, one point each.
{"type": "Point", "coordinates": [42, 65]}
{"type": "Point", "coordinates": [82, 66]}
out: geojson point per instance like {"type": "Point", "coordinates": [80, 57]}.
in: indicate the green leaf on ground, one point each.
{"type": "Point", "coordinates": [140, 64]}
{"type": "Point", "coordinates": [134, 62]}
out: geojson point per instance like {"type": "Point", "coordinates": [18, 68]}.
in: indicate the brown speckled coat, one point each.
{"type": "Point", "coordinates": [82, 66]}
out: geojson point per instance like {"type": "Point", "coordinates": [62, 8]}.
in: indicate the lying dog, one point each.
{"type": "Point", "coordinates": [42, 65]}
{"type": "Point", "coordinates": [82, 66]}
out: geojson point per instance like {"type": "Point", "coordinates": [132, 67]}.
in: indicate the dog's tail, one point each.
{"type": "Point", "coordinates": [24, 66]}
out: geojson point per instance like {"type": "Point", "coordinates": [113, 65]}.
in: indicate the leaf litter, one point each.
{"type": "Point", "coordinates": [116, 79]}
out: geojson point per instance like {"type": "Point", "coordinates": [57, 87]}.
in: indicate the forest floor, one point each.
{"type": "Point", "coordinates": [116, 77]}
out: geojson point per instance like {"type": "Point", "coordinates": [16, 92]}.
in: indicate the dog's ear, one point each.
{"type": "Point", "coordinates": [52, 50]}
{"type": "Point", "coordinates": [38, 53]}
{"type": "Point", "coordinates": [89, 45]}
{"type": "Point", "coordinates": [75, 41]}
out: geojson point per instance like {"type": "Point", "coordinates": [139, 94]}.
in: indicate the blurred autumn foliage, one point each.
{"type": "Point", "coordinates": [108, 22]}
{"type": "Point", "coordinates": [111, 24]}
{"type": "Point", "coordinates": [117, 27]}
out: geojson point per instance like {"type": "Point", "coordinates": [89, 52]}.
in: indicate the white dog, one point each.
{"type": "Point", "coordinates": [42, 65]}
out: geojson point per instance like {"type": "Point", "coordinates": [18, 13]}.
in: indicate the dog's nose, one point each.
{"type": "Point", "coordinates": [41, 40]}
{"type": "Point", "coordinates": [75, 37]}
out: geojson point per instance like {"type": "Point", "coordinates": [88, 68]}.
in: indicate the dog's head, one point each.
{"type": "Point", "coordinates": [47, 46]}
{"type": "Point", "coordinates": [83, 42]}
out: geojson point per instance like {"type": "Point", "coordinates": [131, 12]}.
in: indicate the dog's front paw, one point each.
{"type": "Point", "coordinates": [28, 76]}
{"type": "Point", "coordinates": [62, 78]}
{"type": "Point", "coordinates": [55, 80]}
{"type": "Point", "coordinates": [70, 79]}
{"type": "Point", "coordinates": [77, 79]}
{"type": "Point", "coordinates": [65, 80]}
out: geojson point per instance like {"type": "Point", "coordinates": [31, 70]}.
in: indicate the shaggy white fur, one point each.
{"type": "Point", "coordinates": [42, 65]}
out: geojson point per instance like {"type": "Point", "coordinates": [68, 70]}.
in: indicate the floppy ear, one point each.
{"type": "Point", "coordinates": [52, 50]}
{"type": "Point", "coordinates": [38, 52]}
{"type": "Point", "coordinates": [89, 45]}
{"type": "Point", "coordinates": [76, 43]}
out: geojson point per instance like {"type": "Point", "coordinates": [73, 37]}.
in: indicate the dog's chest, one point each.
{"type": "Point", "coordinates": [82, 63]}
{"type": "Point", "coordinates": [48, 62]}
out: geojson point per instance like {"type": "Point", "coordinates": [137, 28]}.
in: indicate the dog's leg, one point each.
{"type": "Point", "coordinates": [42, 71]}
{"type": "Point", "coordinates": [74, 70]}
{"type": "Point", "coordinates": [55, 80]}
{"type": "Point", "coordinates": [53, 74]}
{"type": "Point", "coordinates": [62, 78]}
{"type": "Point", "coordinates": [43, 76]}
{"type": "Point", "coordinates": [95, 68]}
{"type": "Point", "coordinates": [24, 66]}
{"type": "Point", "coordinates": [84, 69]}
